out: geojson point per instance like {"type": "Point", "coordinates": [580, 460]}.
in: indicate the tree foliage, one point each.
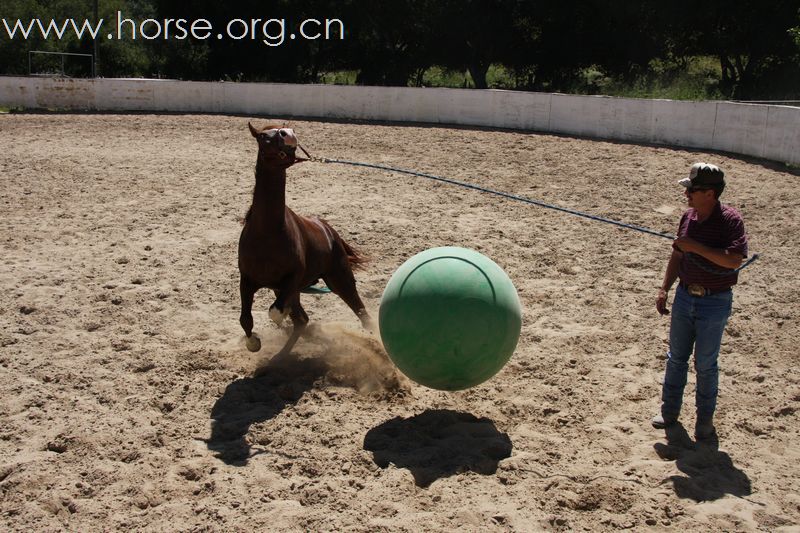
{"type": "Point", "coordinates": [552, 45]}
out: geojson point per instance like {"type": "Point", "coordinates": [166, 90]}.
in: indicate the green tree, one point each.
{"type": "Point", "coordinates": [274, 57]}
{"type": "Point", "coordinates": [473, 35]}
{"type": "Point", "coordinates": [391, 41]}
{"type": "Point", "coordinates": [115, 58]}
{"type": "Point", "coordinates": [751, 40]}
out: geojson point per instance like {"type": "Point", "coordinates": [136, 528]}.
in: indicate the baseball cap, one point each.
{"type": "Point", "coordinates": [704, 175]}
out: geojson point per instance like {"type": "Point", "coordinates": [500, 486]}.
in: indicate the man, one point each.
{"type": "Point", "coordinates": [710, 244]}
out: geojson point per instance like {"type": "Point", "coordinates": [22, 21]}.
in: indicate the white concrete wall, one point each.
{"type": "Point", "coordinates": [770, 132]}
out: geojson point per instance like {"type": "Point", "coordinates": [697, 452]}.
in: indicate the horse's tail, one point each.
{"type": "Point", "coordinates": [354, 256]}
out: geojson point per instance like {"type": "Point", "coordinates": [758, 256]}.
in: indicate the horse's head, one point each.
{"type": "Point", "coordinates": [276, 145]}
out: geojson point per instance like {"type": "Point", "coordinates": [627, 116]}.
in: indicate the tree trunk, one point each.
{"type": "Point", "coordinates": [478, 73]}
{"type": "Point", "coordinates": [728, 81]}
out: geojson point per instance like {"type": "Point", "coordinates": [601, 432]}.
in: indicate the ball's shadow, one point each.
{"type": "Point", "coordinates": [437, 444]}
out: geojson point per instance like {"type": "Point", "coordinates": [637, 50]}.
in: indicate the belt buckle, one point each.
{"type": "Point", "coordinates": [696, 290]}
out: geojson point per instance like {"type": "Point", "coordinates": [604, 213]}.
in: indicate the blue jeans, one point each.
{"type": "Point", "coordinates": [697, 322]}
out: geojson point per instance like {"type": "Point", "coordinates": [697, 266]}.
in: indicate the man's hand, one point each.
{"type": "Point", "coordinates": [661, 302]}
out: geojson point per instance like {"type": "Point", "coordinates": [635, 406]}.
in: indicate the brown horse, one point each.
{"type": "Point", "coordinates": [286, 252]}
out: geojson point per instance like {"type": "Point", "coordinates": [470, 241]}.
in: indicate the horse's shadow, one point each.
{"type": "Point", "coordinates": [437, 444]}
{"type": "Point", "coordinates": [248, 401]}
{"type": "Point", "coordinates": [710, 473]}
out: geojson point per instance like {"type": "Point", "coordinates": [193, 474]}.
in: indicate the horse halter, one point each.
{"type": "Point", "coordinates": [286, 142]}
{"type": "Point", "coordinates": [308, 156]}
{"type": "Point", "coordinates": [290, 140]}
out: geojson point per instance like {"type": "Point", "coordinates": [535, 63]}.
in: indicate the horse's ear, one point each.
{"type": "Point", "coordinates": [253, 131]}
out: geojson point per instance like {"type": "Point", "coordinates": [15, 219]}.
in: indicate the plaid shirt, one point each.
{"type": "Point", "coordinates": [723, 229]}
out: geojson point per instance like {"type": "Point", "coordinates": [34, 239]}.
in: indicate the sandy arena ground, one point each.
{"type": "Point", "coordinates": [128, 401]}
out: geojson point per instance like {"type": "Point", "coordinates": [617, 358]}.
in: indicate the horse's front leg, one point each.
{"type": "Point", "coordinates": [299, 323]}
{"type": "Point", "coordinates": [247, 290]}
{"type": "Point", "coordinates": [280, 309]}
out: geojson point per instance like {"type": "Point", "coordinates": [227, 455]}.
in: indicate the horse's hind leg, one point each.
{"type": "Point", "coordinates": [247, 290]}
{"type": "Point", "coordinates": [343, 284]}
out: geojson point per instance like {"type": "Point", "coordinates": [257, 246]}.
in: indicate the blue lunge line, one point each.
{"type": "Point", "coordinates": [537, 203]}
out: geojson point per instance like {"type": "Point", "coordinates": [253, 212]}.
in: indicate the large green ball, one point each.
{"type": "Point", "coordinates": [450, 318]}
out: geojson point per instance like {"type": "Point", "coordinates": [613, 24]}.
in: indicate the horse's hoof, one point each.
{"type": "Point", "coordinates": [253, 343]}
{"type": "Point", "coordinates": [276, 316]}
{"type": "Point", "coordinates": [370, 325]}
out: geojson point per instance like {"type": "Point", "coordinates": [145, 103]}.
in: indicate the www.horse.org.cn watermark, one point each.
{"type": "Point", "coordinates": [270, 31]}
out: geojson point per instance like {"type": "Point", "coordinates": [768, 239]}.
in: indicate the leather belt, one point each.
{"type": "Point", "coordinates": [699, 291]}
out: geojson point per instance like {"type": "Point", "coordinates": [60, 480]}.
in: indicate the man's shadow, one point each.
{"type": "Point", "coordinates": [437, 444]}
{"type": "Point", "coordinates": [248, 401]}
{"type": "Point", "coordinates": [710, 473]}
